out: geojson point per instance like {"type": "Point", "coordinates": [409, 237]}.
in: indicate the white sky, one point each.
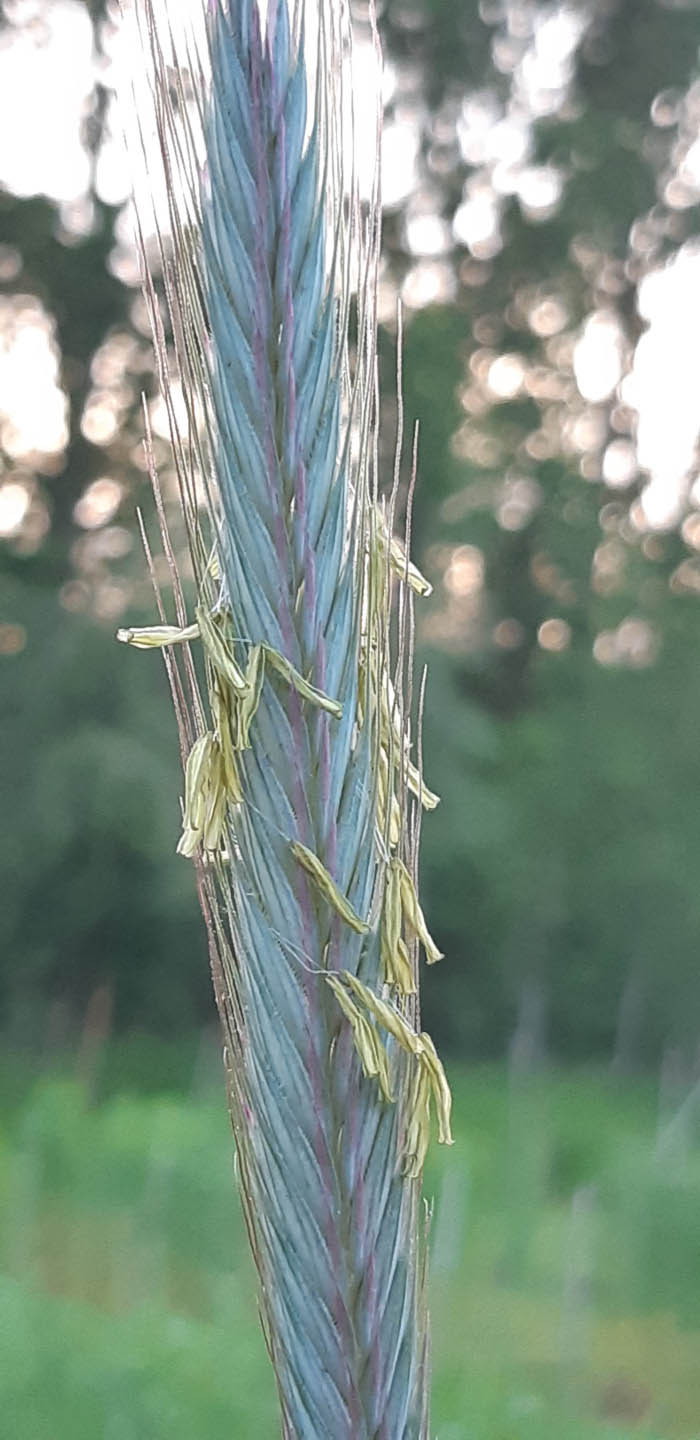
{"type": "Point", "coordinates": [46, 75]}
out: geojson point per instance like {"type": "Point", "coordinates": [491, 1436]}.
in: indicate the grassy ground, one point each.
{"type": "Point", "coordinates": [566, 1260]}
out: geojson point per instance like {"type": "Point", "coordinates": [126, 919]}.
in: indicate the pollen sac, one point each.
{"type": "Point", "coordinates": [219, 649]}
{"type": "Point", "coordinates": [325, 883]}
{"type": "Point", "coordinates": [155, 637]}
{"type": "Point", "coordinates": [415, 918]}
{"type": "Point", "coordinates": [372, 1054]}
{"type": "Point", "coordinates": [406, 570]}
{"type": "Point", "coordinates": [307, 691]}
{"type": "Point", "coordinates": [396, 961]}
{"type": "Point", "coordinates": [205, 798]}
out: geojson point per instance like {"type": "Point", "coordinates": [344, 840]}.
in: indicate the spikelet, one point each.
{"type": "Point", "coordinates": [300, 789]}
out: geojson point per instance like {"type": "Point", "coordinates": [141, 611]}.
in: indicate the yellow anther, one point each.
{"type": "Point", "coordinates": [398, 559]}
{"type": "Point", "coordinates": [406, 570]}
{"type": "Point", "coordinates": [325, 883]}
{"type": "Point", "coordinates": [442, 1094]}
{"type": "Point", "coordinates": [249, 701]}
{"type": "Point", "coordinates": [427, 1080]}
{"type": "Point", "coordinates": [373, 1056]}
{"type": "Point", "coordinates": [154, 637]}
{"type": "Point", "coordinates": [386, 1014]}
{"type": "Point", "coordinates": [396, 961]}
{"type": "Point", "coordinates": [418, 787]}
{"type": "Point", "coordinates": [218, 649]}
{"type": "Point", "coordinates": [205, 797]}
{"type": "Point", "coordinates": [418, 1124]}
{"type": "Point", "coordinates": [415, 918]}
{"type": "Point", "coordinates": [386, 796]}
{"type": "Point", "coordinates": [284, 667]}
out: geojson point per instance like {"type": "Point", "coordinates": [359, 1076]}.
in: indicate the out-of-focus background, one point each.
{"type": "Point", "coordinates": [541, 178]}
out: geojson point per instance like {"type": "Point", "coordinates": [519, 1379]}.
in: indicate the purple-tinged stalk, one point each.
{"type": "Point", "coordinates": [300, 785]}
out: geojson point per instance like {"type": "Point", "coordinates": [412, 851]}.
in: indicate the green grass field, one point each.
{"type": "Point", "coordinates": [565, 1274]}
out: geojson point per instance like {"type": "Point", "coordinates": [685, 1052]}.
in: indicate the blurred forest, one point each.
{"type": "Point", "coordinates": [542, 212]}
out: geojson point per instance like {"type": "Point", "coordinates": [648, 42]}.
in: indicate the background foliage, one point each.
{"type": "Point", "coordinates": [565, 1306]}
{"type": "Point", "coordinates": [563, 635]}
